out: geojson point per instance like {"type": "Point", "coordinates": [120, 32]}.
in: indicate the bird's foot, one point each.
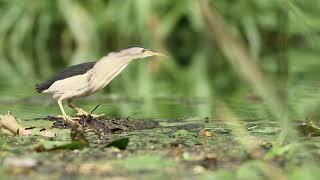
{"type": "Point", "coordinates": [92, 115]}
{"type": "Point", "coordinates": [68, 118]}
{"type": "Point", "coordinates": [97, 115]}
{"type": "Point", "coordinates": [72, 121]}
{"type": "Point", "coordinates": [81, 112]}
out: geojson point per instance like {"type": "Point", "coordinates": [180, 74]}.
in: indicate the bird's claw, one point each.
{"type": "Point", "coordinates": [97, 115]}
{"type": "Point", "coordinates": [70, 120]}
{"type": "Point", "coordinates": [81, 112]}
{"type": "Point", "coordinates": [84, 113]}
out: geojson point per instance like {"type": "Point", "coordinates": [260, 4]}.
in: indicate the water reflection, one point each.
{"type": "Point", "coordinates": [303, 102]}
{"type": "Point", "coordinates": [155, 108]}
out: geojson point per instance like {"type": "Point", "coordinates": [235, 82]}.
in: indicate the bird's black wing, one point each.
{"type": "Point", "coordinates": [66, 73]}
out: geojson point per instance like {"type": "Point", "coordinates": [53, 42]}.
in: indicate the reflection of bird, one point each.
{"type": "Point", "coordinates": [87, 78]}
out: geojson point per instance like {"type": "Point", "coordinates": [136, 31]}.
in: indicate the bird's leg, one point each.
{"type": "Point", "coordinates": [80, 111]}
{"type": "Point", "coordinates": [64, 115]}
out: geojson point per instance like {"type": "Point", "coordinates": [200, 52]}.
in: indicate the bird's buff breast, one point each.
{"type": "Point", "coordinates": [101, 77]}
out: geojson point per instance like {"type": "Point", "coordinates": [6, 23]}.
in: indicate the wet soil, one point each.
{"type": "Point", "coordinates": [107, 124]}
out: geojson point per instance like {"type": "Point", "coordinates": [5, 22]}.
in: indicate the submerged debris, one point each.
{"type": "Point", "coordinates": [9, 124]}
{"type": "Point", "coordinates": [120, 143]}
{"type": "Point", "coordinates": [205, 133]}
{"type": "Point", "coordinates": [78, 141]}
{"type": "Point", "coordinates": [20, 165]}
{"type": "Point", "coordinates": [106, 125]}
{"type": "Point", "coordinates": [46, 133]}
{"type": "Point", "coordinates": [309, 129]}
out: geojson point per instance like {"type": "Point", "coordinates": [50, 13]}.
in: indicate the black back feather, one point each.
{"type": "Point", "coordinates": [66, 73]}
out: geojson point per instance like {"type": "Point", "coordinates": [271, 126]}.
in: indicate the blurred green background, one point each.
{"type": "Point", "coordinates": [40, 37]}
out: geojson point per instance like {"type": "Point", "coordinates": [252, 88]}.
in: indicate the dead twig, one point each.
{"type": "Point", "coordinates": [10, 125]}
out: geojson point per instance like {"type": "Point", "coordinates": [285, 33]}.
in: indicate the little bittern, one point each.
{"type": "Point", "coordinates": [87, 78]}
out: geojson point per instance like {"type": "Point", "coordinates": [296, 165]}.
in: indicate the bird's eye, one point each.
{"type": "Point", "coordinates": [143, 50]}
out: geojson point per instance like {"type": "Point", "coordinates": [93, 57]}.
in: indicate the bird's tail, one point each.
{"type": "Point", "coordinates": [39, 87]}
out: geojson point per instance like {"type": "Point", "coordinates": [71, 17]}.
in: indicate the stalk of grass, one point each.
{"type": "Point", "coordinates": [253, 36]}
{"type": "Point", "coordinates": [200, 83]}
{"type": "Point", "coordinates": [41, 48]}
{"type": "Point", "coordinates": [83, 29]}
{"type": "Point", "coordinates": [16, 39]}
{"type": "Point", "coordinates": [7, 69]}
{"type": "Point", "coordinates": [238, 129]}
{"type": "Point", "coordinates": [239, 57]}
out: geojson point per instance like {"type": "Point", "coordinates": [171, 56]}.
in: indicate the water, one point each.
{"type": "Point", "coordinates": [157, 108]}
{"type": "Point", "coordinates": [26, 104]}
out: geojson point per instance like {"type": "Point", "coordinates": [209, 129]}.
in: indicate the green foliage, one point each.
{"type": "Point", "coordinates": [41, 37]}
{"type": "Point", "coordinates": [120, 143]}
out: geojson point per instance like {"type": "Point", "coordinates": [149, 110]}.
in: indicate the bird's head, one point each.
{"type": "Point", "coordinates": [136, 53]}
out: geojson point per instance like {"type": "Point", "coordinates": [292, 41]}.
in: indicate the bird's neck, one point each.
{"type": "Point", "coordinates": [108, 65]}
{"type": "Point", "coordinates": [107, 69]}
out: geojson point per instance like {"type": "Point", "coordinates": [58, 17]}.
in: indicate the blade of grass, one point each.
{"type": "Point", "coordinates": [239, 57]}
{"type": "Point", "coordinates": [83, 28]}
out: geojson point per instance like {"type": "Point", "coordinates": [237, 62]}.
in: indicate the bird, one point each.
{"type": "Point", "coordinates": [87, 78]}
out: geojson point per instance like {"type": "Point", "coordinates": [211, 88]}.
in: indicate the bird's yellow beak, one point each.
{"type": "Point", "coordinates": [151, 53]}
